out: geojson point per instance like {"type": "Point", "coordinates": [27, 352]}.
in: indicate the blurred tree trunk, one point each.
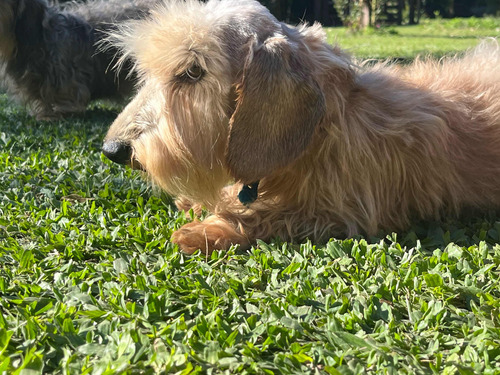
{"type": "Point", "coordinates": [451, 8]}
{"type": "Point", "coordinates": [419, 10]}
{"type": "Point", "coordinates": [366, 13]}
{"type": "Point", "coordinates": [401, 6]}
{"type": "Point", "coordinates": [414, 11]}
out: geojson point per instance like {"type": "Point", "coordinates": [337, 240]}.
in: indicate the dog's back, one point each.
{"type": "Point", "coordinates": [103, 17]}
{"type": "Point", "coordinates": [468, 87]}
{"type": "Point", "coordinates": [434, 135]}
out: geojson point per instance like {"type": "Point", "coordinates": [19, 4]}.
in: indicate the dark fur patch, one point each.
{"type": "Point", "coordinates": [57, 67]}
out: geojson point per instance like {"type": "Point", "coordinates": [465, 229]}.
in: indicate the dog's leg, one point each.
{"type": "Point", "coordinates": [218, 231]}
{"type": "Point", "coordinates": [213, 233]}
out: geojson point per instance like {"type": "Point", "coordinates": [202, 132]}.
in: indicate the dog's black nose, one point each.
{"type": "Point", "coordinates": [117, 151]}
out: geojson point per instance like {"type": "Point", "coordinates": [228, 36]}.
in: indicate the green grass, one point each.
{"type": "Point", "coordinates": [430, 37]}
{"type": "Point", "coordinates": [90, 284]}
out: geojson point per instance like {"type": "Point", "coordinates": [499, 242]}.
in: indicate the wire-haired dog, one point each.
{"type": "Point", "coordinates": [48, 54]}
{"type": "Point", "coordinates": [228, 93]}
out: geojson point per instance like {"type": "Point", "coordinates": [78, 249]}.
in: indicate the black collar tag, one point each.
{"type": "Point", "coordinates": [248, 193]}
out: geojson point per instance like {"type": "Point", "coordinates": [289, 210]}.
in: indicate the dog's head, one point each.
{"type": "Point", "coordinates": [226, 92]}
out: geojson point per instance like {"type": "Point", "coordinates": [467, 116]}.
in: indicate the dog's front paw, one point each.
{"type": "Point", "coordinates": [208, 235]}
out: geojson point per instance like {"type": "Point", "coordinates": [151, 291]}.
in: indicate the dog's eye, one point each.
{"type": "Point", "coordinates": [194, 72]}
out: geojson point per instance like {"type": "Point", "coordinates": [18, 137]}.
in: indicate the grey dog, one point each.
{"type": "Point", "coordinates": [50, 59]}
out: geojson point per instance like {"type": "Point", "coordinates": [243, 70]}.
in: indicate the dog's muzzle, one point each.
{"type": "Point", "coordinates": [119, 152]}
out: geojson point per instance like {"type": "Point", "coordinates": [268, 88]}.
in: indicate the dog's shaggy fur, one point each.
{"type": "Point", "coordinates": [48, 54]}
{"type": "Point", "coordinates": [229, 93]}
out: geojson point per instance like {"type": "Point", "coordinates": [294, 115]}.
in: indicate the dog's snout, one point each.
{"type": "Point", "coordinates": [118, 151]}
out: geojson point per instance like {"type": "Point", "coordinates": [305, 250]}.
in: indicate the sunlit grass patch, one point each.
{"type": "Point", "coordinates": [430, 37]}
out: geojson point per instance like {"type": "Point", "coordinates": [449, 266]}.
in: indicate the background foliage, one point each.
{"type": "Point", "coordinates": [338, 12]}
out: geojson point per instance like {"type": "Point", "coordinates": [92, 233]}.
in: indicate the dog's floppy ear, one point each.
{"type": "Point", "coordinates": [277, 109]}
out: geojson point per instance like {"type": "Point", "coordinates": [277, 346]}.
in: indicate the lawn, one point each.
{"type": "Point", "coordinates": [90, 284]}
{"type": "Point", "coordinates": [436, 37]}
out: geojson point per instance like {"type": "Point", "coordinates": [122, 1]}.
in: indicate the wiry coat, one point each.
{"type": "Point", "coordinates": [48, 54]}
{"type": "Point", "coordinates": [338, 148]}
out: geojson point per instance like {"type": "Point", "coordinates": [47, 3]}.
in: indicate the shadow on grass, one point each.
{"type": "Point", "coordinates": [15, 116]}
{"type": "Point", "coordinates": [428, 236]}
{"type": "Point", "coordinates": [466, 230]}
{"type": "Point", "coordinates": [101, 112]}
